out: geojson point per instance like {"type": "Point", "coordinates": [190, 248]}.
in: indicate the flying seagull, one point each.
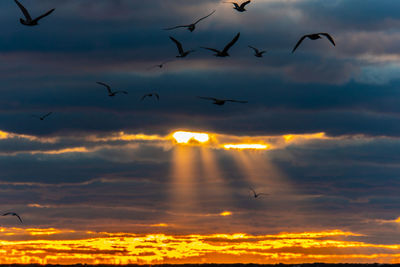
{"type": "Point", "coordinates": [256, 195]}
{"type": "Point", "coordinates": [43, 116]}
{"type": "Point", "coordinates": [257, 52]}
{"type": "Point", "coordinates": [13, 214]}
{"type": "Point", "coordinates": [224, 52]}
{"type": "Point", "coordinates": [314, 36]}
{"type": "Point", "coordinates": [150, 95]}
{"type": "Point", "coordinates": [28, 21]}
{"type": "Point", "coordinates": [111, 93]}
{"type": "Point", "coordinates": [241, 7]}
{"type": "Point", "coordinates": [221, 102]}
{"type": "Point", "coordinates": [182, 53]}
{"type": "Point", "coordinates": [160, 65]}
{"type": "Point", "coordinates": [190, 27]}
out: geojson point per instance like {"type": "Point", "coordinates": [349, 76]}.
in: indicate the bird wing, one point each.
{"type": "Point", "coordinates": [48, 114]}
{"type": "Point", "coordinates": [166, 62]}
{"type": "Point", "coordinates": [328, 37]}
{"type": "Point", "coordinates": [237, 101]}
{"type": "Point", "coordinates": [254, 192]}
{"type": "Point", "coordinates": [158, 97]}
{"type": "Point", "coordinates": [106, 85]}
{"type": "Point", "coordinates": [244, 4]}
{"type": "Point", "coordinates": [124, 92]}
{"type": "Point", "coordinates": [212, 49]}
{"type": "Point", "coordinates": [255, 49]}
{"type": "Point", "coordinates": [231, 43]}
{"type": "Point", "coordinates": [44, 15]}
{"type": "Point", "coordinates": [172, 28]}
{"type": "Point", "coordinates": [19, 218]}
{"type": "Point", "coordinates": [299, 42]}
{"type": "Point", "coordinates": [204, 17]}
{"type": "Point", "coordinates": [143, 97]}
{"type": "Point", "coordinates": [7, 213]}
{"type": "Point", "coordinates": [208, 98]}
{"type": "Point", "coordinates": [178, 45]}
{"type": "Point", "coordinates": [24, 11]}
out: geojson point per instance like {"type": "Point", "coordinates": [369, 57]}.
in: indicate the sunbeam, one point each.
{"type": "Point", "coordinates": [184, 174]}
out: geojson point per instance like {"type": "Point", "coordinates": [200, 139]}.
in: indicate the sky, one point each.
{"type": "Point", "coordinates": [119, 180]}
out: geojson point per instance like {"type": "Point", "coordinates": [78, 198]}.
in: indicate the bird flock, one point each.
{"type": "Point", "coordinates": [182, 53]}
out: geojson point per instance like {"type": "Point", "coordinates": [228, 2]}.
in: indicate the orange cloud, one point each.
{"type": "Point", "coordinates": [63, 247]}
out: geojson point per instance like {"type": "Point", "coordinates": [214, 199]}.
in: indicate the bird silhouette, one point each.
{"type": "Point", "coordinates": [221, 102]}
{"type": "Point", "coordinates": [314, 36]}
{"type": "Point", "coordinates": [190, 27]}
{"type": "Point", "coordinates": [257, 52]}
{"type": "Point", "coordinates": [43, 116]}
{"type": "Point", "coordinates": [224, 52]}
{"type": "Point", "coordinates": [182, 53]}
{"type": "Point", "coordinates": [111, 93]}
{"type": "Point", "coordinates": [150, 95]}
{"type": "Point", "coordinates": [256, 195]}
{"type": "Point", "coordinates": [238, 7]}
{"type": "Point", "coordinates": [28, 21]}
{"type": "Point", "coordinates": [161, 65]}
{"type": "Point", "coordinates": [13, 214]}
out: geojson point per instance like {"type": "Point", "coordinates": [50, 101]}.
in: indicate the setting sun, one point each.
{"type": "Point", "coordinates": [183, 137]}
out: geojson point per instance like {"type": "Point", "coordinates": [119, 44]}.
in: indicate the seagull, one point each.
{"type": "Point", "coordinates": [150, 95]}
{"type": "Point", "coordinates": [42, 117]}
{"type": "Point", "coordinates": [190, 27]}
{"type": "Point", "coordinates": [241, 7]}
{"type": "Point", "coordinates": [221, 102]}
{"type": "Point", "coordinates": [160, 65]}
{"type": "Point", "coordinates": [13, 214]}
{"type": "Point", "coordinates": [224, 52]}
{"type": "Point", "coordinates": [28, 19]}
{"type": "Point", "coordinates": [111, 93]}
{"type": "Point", "coordinates": [257, 53]}
{"type": "Point", "coordinates": [314, 36]}
{"type": "Point", "coordinates": [182, 53]}
{"type": "Point", "coordinates": [257, 195]}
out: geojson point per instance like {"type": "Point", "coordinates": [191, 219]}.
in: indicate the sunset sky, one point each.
{"type": "Point", "coordinates": [119, 180]}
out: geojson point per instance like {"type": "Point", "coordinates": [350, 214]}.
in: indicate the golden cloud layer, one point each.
{"type": "Point", "coordinates": [54, 246]}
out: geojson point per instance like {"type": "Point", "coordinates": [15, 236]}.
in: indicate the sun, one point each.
{"type": "Point", "coordinates": [183, 137]}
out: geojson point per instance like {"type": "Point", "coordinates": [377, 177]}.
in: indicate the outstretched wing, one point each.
{"type": "Point", "coordinates": [158, 97]}
{"type": "Point", "coordinates": [226, 48]}
{"type": "Point", "coordinates": [254, 192]}
{"type": "Point", "coordinates": [44, 15]}
{"type": "Point", "coordinates": [299, 42]}
{"type": "Point", "coordinates": [7, 213]}
{"type": "Point", "coordinates": [204, 17]}
{"type": "Point", "coordinates": [106, 85]}
{"type": "Point", "coordinates": [46, 115]}
{"type": "Point", "coordinates": [244, 4]}
{"type": "Point", "coordinates": [176, 27]}
{"type": "Point", "coordinates": [144, 96]}
{"type": "Point", "coordinates": [124, 92]}
{"type": "Point", "coordinates": [236, 101]}
{"type": "Point", "coordinates": [212, 49]}
{"type": "Point", "coordinates": [178, 45]}
{"type": "Point", "coordinates": [255, 49]}
{"type": "Point", "coordinates": [24, 11]}
{"type": "Point", "coordinates": [207, 98]}
{"type": "Point", "coordinates": [328, 37]}
{"type": "Point", "coordinates": [19, 218]}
